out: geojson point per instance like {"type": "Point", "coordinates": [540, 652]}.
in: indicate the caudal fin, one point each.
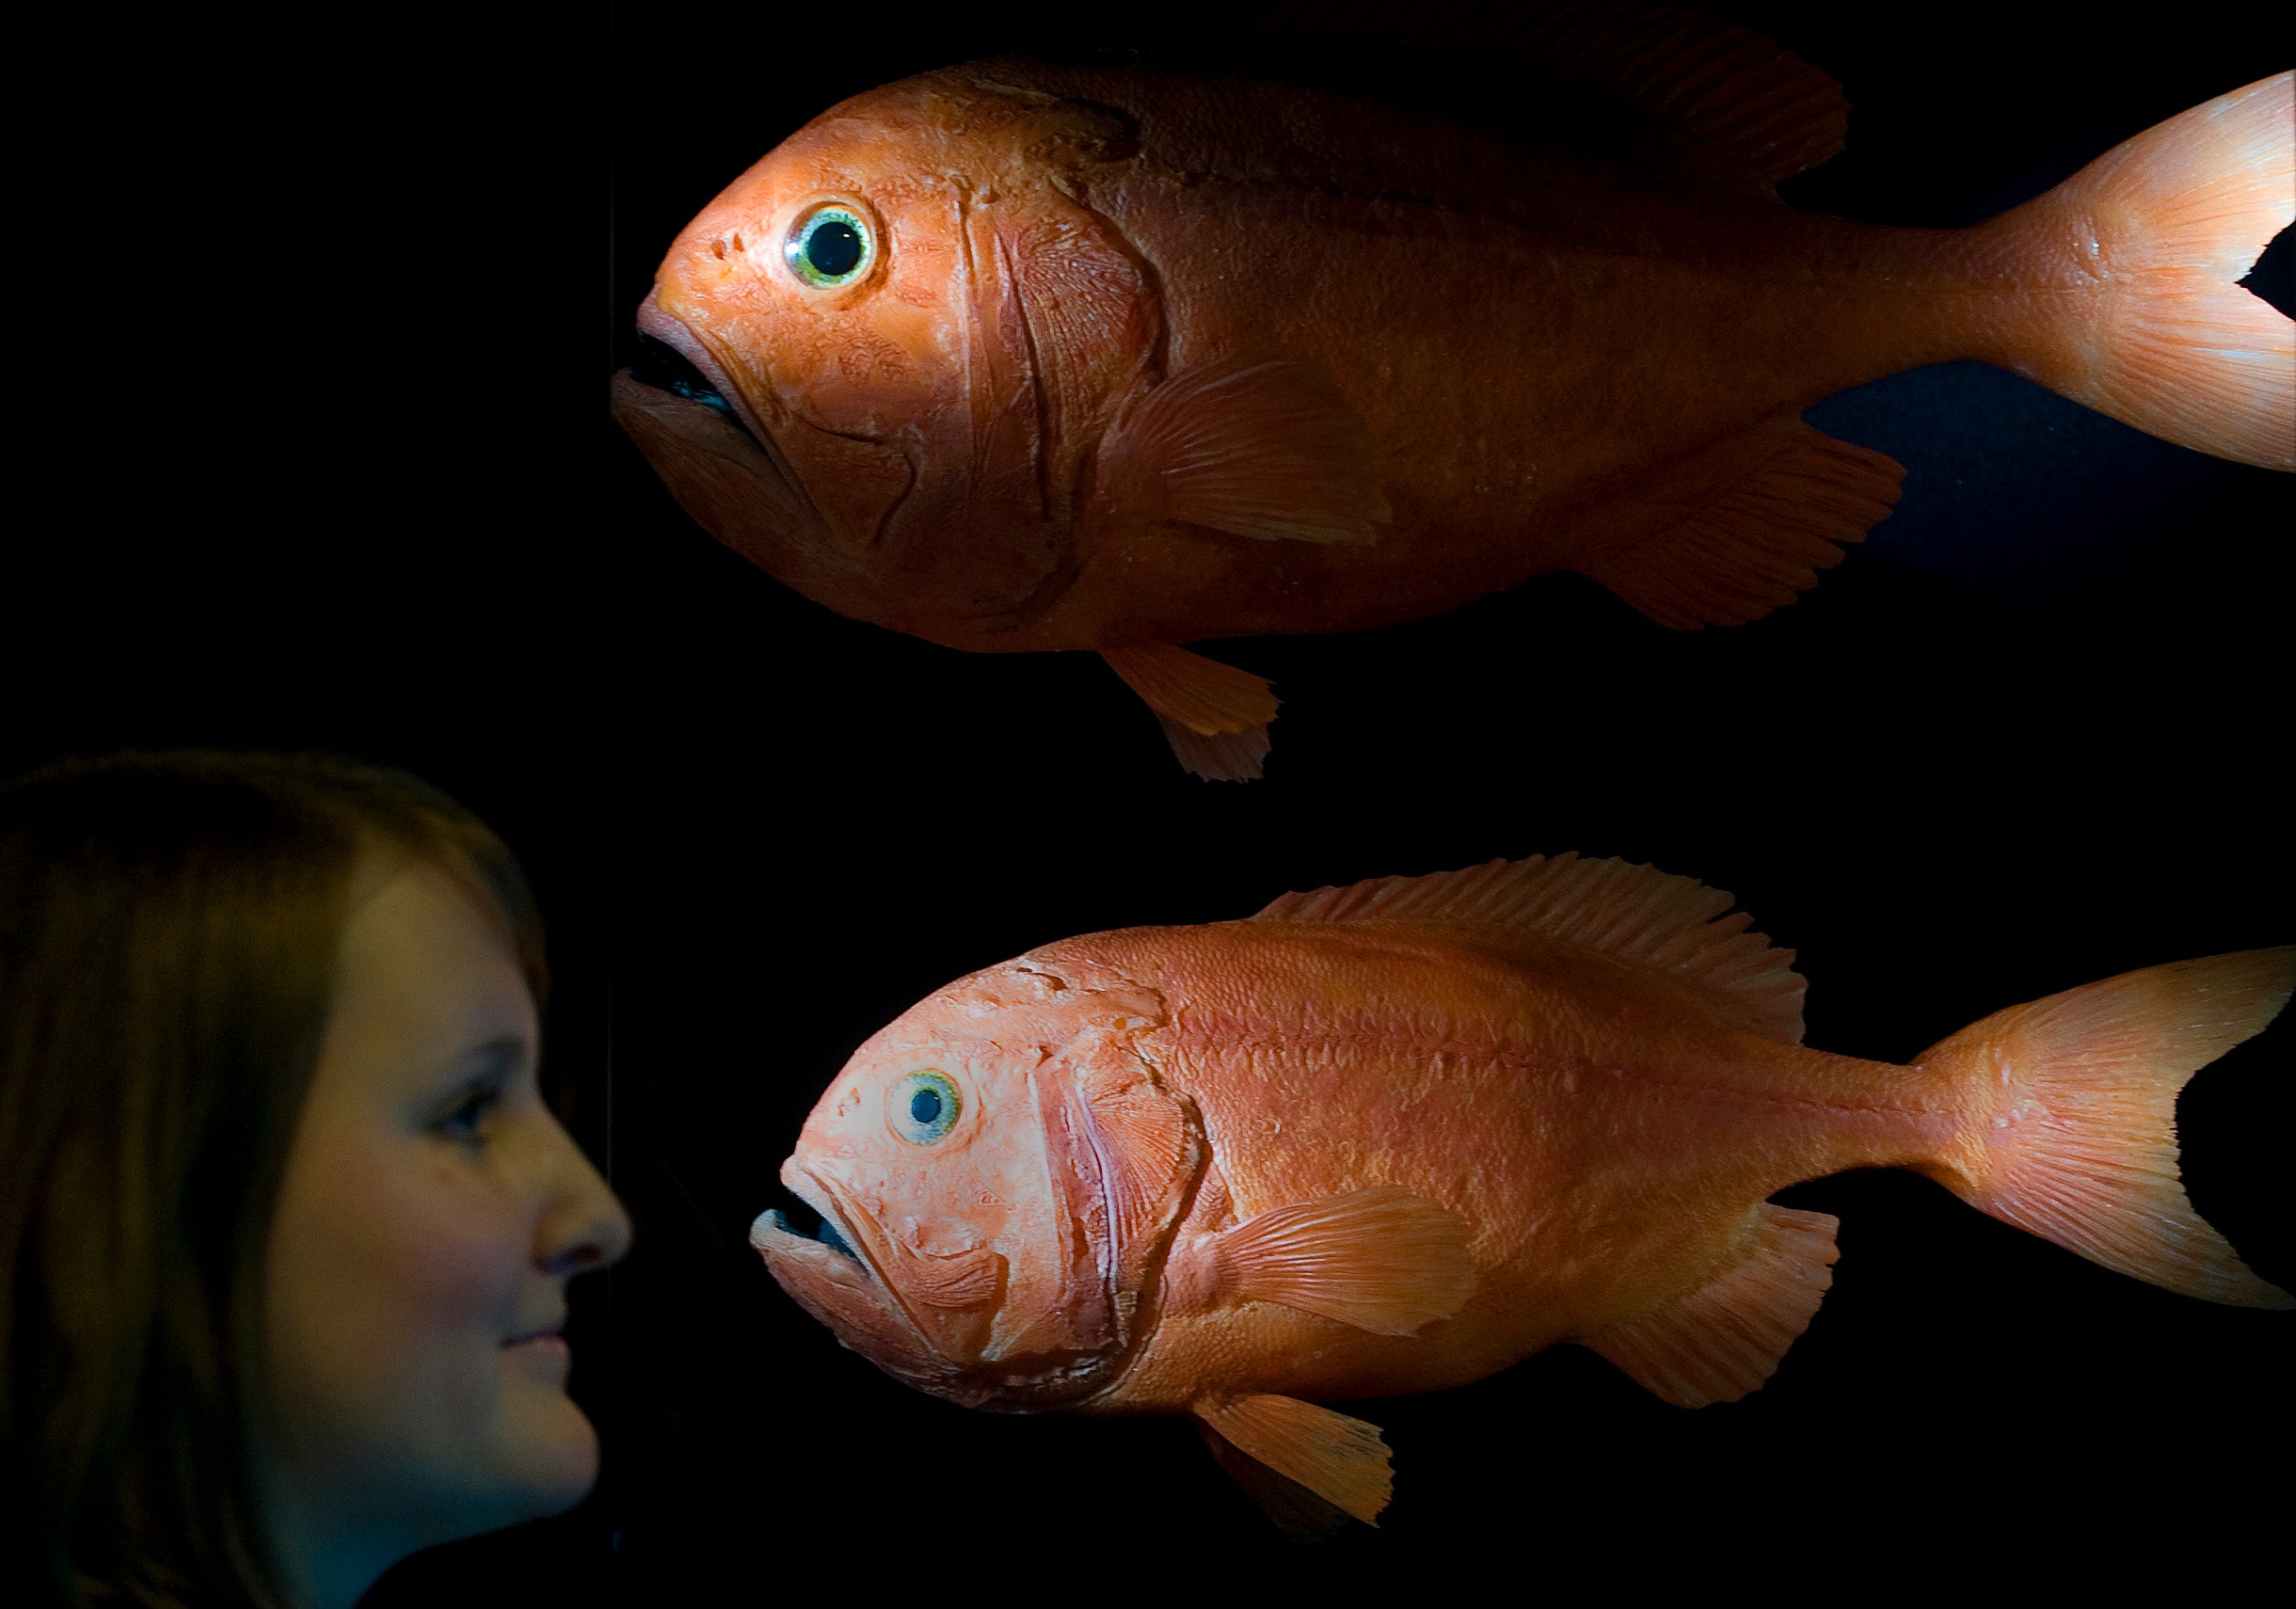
{"type": "Point", "coordinates": [2078, 1139]}
{"type": "Point", "coordinates": [2132, 266]}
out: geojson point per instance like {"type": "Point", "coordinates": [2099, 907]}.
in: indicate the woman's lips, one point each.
{"type": "Point", "coordinates": [544, 1351]}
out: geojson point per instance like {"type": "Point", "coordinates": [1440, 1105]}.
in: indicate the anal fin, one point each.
{"type": "Point", "coordinates": [1342, 1460]}
{"type": "Point", "coordinates": [1723, 1339]}
{"type": "Point", "coordinates": [1214, 715]}
{"type": "Point", "coordinates": [1732, 549]}
{"type": "Point", "coordinates": [1382, 1259]}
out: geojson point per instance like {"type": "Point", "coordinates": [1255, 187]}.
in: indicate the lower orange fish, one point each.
{"type": "Point", "coordinates": [1396, 1137]}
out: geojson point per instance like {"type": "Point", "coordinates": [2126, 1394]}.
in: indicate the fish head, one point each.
{"type": "Point", "coordinates": [994, 1173]}
{"type": "Point", "coordinates": [868, 413]}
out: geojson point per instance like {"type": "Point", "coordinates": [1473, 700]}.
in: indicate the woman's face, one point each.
{"type": "Point", "coordinates": [432, 1212]}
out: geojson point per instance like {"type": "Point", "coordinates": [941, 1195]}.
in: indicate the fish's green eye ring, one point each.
{"type": "Point", "coordinates": [923, 1107]}
{"type": "Point", "coordinates": [830, 246]}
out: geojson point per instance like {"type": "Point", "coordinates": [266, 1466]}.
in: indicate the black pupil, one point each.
{"type": "Point", "coordinates": [834, 249]}
{"type": "Point", "coordinates": [925, 1107]}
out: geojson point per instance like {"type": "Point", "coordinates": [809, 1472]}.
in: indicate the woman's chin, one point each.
{"type": "Point", "coordinates": [557, 1457]}
{"type": "Point", "coordinates": [544, 1459]}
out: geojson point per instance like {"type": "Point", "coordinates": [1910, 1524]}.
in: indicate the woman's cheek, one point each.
{"type": "Point", "coordinates": [457, 1255]}
{"type": "Point", "coordinates": [402, 1275]}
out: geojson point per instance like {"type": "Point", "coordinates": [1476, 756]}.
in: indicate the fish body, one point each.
{"type": "Point", "coordinates": [1605, 1135]}
{"type": "Point", "coordinates": [1120, 359]}
{"type": "Point", "coordinates": [1395, 1138]}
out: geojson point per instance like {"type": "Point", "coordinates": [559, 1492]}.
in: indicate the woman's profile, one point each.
{"type": "Point", "coordinates": [287, 1220]}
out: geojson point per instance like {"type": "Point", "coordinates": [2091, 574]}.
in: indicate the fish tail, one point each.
{"type": "Point", "coordinates": [2074, 1136]}
{"type": "Point", "coordinates": [2130, 269]}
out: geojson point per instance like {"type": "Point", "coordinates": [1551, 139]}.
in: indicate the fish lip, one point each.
{"type": "Point", "coordinates": [663, 326]}
{"type": "Point", "coordinates": [673, 334]}
{"type": "Point", "coordinates": [771, 1233]}
{"type": "Point", "coordinates": [864, 1237]}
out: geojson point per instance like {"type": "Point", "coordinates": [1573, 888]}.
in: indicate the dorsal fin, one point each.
{"type": "Point", "coordinates": [1673, 925]}
{"type": "Point", "coordinates": [1737, 102]}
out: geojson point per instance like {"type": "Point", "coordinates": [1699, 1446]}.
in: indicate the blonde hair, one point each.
{"type": "Point", "coordinates": [169, 926]}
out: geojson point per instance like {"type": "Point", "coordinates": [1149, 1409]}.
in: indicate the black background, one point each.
{"type": "Point", "coordinates": [323, 460]}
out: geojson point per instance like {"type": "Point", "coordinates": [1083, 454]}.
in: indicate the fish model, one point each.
{"type": "Point", "coordinates": [1395, 1137]}
{"type": "Point", "coordinates": [1015, 356]}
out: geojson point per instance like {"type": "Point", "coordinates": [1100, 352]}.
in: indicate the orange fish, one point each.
{"type": "Point", "coordinates": [1015, 357]}
{"type": "Point", "coordinates": [1396, 1137]}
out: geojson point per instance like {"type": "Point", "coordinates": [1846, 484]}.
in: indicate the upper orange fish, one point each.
{"type": "Point", "coordinates": [1017, 357]}
{"type": "Point", "coordinates": [1395, 1137]}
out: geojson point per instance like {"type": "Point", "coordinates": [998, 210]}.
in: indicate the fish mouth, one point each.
{"type": "Point", "coordinates": [811, 1221]}
{"type": "Point", "coordinates": [659, 366]}
{"type": "Point", "coordinates": [672, 358]}
{"type": "Point", "coordinates": [820, 1259]}
{"type": "Point", "coordinates": [693, 424]}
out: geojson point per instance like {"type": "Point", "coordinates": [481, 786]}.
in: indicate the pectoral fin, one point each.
{"type": "Point", "coordinates": [1341, 1460]}
{"type": "Point", "coordinates": [1382, 1259]}
{"type": "Point", "coordinates": [1214, 715]}
{"type": "Point", "coordinates": [1261, 448]}
{"type": "Point", "coordinates": [1724, 1338]}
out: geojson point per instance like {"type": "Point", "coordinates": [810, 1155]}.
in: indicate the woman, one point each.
{"type": "Point", "coordinates": [288, 1222]}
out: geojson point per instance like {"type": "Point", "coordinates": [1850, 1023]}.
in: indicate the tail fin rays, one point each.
{"type": "Point", "coordinates": [2079, 1143]}
{"type": "Point", "coordinates": [2154, 237]}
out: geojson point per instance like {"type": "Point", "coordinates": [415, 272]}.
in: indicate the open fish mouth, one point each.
{"type": "Point", "coordinates": [817, 1256]}
{"type": "Point", "coordinates": [696, 428]}
{"type": "Point", "coordinates": [663, 368]}
{"type": "Point", "coordinates": [810, 1221]}
{"type": "Point", "coordinates": [673, 358]}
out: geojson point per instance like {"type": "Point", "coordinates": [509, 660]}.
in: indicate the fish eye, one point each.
{"type": "Point", "coordinates": [923, 1107]}
{"type": "Point", "coordinates": [829, 246]}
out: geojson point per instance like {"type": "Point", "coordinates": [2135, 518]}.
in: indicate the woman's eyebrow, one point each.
{"type": "Point", "coordinates": [494, 1058]}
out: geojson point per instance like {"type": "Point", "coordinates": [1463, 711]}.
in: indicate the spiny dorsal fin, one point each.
{"type": "Point", "coordinates": [1737, 102]}
{"type": "Point", "coordinates": [1672, 925]}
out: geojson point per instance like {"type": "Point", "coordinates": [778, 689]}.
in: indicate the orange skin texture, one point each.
{"type": "Point", "coordinates": [1603, 1133]}
{"type": "Point", "coordinates": [1555, 357]}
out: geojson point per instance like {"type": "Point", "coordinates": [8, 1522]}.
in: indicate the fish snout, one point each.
{"type": "Point", "coordinates": [813, 1219]}
{"type": "Point", "coordinates": [826, 1262]}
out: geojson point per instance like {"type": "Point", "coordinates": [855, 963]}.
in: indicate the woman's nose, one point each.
{"type": "Point", "coordinates": [584, 1227]}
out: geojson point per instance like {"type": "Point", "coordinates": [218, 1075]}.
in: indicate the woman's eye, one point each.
{"type": "Point", "coordinates": [923, 1107]}
{"type": "Point", "coordinates": [829, 246]}
{"type": "Point", "coordinates": [468, 1120]}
